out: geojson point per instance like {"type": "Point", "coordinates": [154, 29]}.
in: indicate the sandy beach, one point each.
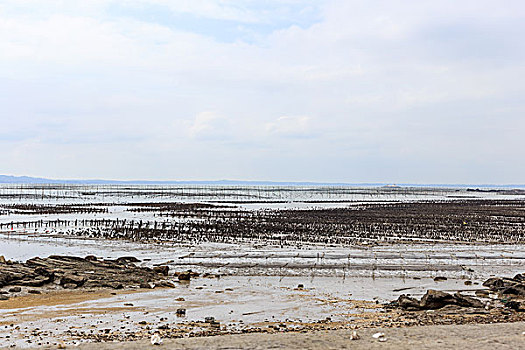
{"type": "Point", "coordinates": [476, 337]}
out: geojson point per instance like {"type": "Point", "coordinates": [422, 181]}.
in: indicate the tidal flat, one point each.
{"type": "Point", "coordinates": [262, 259]}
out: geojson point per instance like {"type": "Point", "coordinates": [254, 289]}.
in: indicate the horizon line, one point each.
{"type": "Point", "coordinates": [6, 179]}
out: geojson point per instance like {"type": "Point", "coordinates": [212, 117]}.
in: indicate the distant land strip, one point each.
{"type": "Point", "coordinates": [8, 179]}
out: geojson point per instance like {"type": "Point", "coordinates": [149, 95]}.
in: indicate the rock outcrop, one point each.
{"type": "Point", "coordinates": [434, 299]}
{"type": "Point", "coordinates": [74, 272]}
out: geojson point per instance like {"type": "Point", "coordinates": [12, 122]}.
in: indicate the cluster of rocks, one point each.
{"type": "Point", "coordinates": [511, 290]}
{"type": "Point", "coordinates": [435, 299]}
{"type": "Point", "coordinates": [72, 272]}
{"type": "Point", "coordinates": [507, 292]}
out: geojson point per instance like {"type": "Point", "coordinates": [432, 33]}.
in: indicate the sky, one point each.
{"type": "Point", "coordinates": [278, 90]}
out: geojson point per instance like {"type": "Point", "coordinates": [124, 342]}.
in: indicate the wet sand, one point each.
{"type": "Point", "coordinates": [58, 297]}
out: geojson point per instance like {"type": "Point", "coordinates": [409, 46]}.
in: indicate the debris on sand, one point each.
{"type": "Point", "coordinates": [156, 339]}
{"type": "Point", "coordinates": [181, 312]}
{"type": "Point", "coordinates": [379, 336]}
{"type": "Point", "coordinates": [354, 336]}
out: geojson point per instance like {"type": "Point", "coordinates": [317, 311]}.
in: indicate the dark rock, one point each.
{"type": "Point", "coordinates": [91, 258]}
{"type": "Point", "coordinates": [440, 279]}
{"type": "Point", "coordinates": [45, 272]}
{"type": "Point", "coordinates": [4, 297]}
{"type": "Point", "coordinates": [147, 285]}
{"type": "Point", "coordinates": [434, 299]}
{"type": "Point", "coordinates": [38, 281]}
{"type": "Point", "coordinates": [466, 301]}
{"type": "Point", "coordinates": [67, 258]}
{"type": "Point", "coordinates": [113, 285]}
{"type": "Point", "coordinates": [209, 319]}
{"type": "Point", "coordinates": [468, 283]}
{"type": "Point", "coordinates": [515, 305]}
{"type": "Point", "coordinates": [408, 303]}
{"type": "Point", "coordinates": [163, 270]}
{"type": "Point", "coordinates": [34, 291]}
{"type": "Point", "coordinates": [15, 290]}
{"type": "Point", "coordinates": [519, 278]}
{"type": "Point", "coordinates": [517, 289]}
{"type": "Point", "coordinates": [127, 260]}
{"type": "Point", "coordinates": [88, 273]}
{"type": "Point", "coordinates": [482, 293]}
{"type": "Point", "coordinates": [181, 312]}
{"type": "Point", "coordinates": [166, 284]}
{"type": "Point", "coordinates": [184, 276]}
{"type": "Point", "coordinates": [72, 279]}
{"type": "Point", "coordinates": [458, 310]}
{"type": "Point", "coordinates": [496, 283]}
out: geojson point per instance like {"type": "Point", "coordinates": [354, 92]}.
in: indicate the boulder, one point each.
{"type": "Point", "coordinates": [66, 258]}
{"type": "Point", "coordinates": [496, 283]}
{"type": "Point", "coordinates": [166, 284]}
{"type": "Point", "coordinates": [516, 289]}
{"type": "Point", "coordinates": [184, 276]}
{"type": "Point", "coordinates": [72, 279]}
{"type": "Point", "coordinates": [515, 305]}
{"type": "Point", "coordinates": [38, 281]}
{"type": "Point", "coordinates": [519, 278]}
{"type": "Point", "coordinates": [145, 285]}
{"type": "Point", "coordinates": [435, 299]}
{"type": "Point", "coordinates": [127, 260]}
{"type": "Point", "coordinates": [459, 310]}
{"type": "Point", "coordinates": [163, 270]}
{"type": "Point", "coordinates": [466, 301]}
{"type": "Point", "coordinates": [408, 303]}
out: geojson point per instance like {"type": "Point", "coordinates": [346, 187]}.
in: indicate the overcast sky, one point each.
{"type": "Point", "coordinates": [347, 91]}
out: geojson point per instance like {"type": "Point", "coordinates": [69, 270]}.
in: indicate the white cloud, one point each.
{"type": "Point", "coordinates": [290, 126]}
{"type": "Point", "coordinates": [210, 125]}
{"type": "Point", "coordinates": [373, 82]}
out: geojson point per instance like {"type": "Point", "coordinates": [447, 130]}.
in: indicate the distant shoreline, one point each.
{"type": "Point", "coordinates": [8, 179]}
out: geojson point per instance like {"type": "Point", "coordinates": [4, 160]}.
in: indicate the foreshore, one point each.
{"type": "Point", "coordinates": [499, 336]}
{"type": "Point", "coordinates": [66, 301]}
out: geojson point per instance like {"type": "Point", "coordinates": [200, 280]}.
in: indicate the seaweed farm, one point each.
{"type": "Point", "coordinates": [268, 230]}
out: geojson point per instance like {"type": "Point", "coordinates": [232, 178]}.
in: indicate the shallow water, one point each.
{"type": "Point", "coordinates": [402, 260]}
